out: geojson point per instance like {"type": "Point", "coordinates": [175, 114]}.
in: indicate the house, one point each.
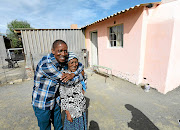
{"type": "Point", "coordinates": [139, 42]}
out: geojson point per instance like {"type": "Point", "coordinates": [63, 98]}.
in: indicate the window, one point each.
{"type": "Point", "coordinates": [116, 36]}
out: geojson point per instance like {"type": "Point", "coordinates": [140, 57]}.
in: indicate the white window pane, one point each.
{"type": "Point", "coordinates": [118, 37]}
{"type": "Point", "coordinates": [119, 28]}
{"type": "Point", "coordinates": [114, 29]}
{"type": "Point", "coordinates": [119, 43]}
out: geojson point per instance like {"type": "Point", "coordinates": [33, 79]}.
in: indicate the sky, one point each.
{"type": "Point", "coordinates": [60, 14]}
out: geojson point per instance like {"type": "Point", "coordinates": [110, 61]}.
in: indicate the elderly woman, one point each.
{"type": "Point", "coordinates": [72, 97]}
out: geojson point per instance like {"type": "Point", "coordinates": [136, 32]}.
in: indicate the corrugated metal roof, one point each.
{"type": "Point", "coordinates": [18, 30]}
{"type": "Point", "coordinates": [118, 13]}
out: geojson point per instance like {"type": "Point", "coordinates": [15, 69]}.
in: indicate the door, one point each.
{"type": "Point", "coordinates": [94, 48]}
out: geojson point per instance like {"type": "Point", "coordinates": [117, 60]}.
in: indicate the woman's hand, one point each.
{"type": "Point", "coordinates": [82, 72]}
{"type": "Point", "coordinates": [83, 91]}
{"type": "Point", "coordinates": [69, 116]}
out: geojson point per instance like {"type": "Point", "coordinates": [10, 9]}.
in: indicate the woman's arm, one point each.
{"type": "Point", "coordinates": [82, 72]}
{"type": "Point", "coordinates": [69, 116]}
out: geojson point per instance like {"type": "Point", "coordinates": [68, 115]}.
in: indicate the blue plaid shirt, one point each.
{"type": "Point", "coordinates": [46, 82]}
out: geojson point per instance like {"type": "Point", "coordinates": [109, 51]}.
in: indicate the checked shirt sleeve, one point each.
{"type": "Point", "coordinates": [83, 80]}
{"type": "Point", "coordinates": [51, 71]}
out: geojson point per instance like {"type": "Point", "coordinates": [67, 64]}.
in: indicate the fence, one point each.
{"type": "Point", "coordinates": [38, 42]}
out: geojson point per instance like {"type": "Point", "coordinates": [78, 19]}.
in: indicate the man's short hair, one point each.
{"type": "Point", "coordinates": [58, 42]}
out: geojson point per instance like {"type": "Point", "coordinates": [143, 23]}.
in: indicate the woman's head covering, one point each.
{"type": "Point", "coordinates": [71, 56]}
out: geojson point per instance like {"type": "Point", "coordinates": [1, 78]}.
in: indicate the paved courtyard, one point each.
{"type": "Point", "coordinates": [114, 105]}
{"type": "Point", "coordinates": [11, 74]}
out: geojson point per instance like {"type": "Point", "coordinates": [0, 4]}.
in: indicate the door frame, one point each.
{"type": "Point", "coordinates": [95, 31]}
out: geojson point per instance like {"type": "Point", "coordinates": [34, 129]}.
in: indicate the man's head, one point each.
{"type": "Point", "coordinates": [59, 49]}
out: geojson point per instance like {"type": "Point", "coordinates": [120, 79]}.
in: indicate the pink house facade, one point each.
{"type": "Point", "coordinates": [139, 42]}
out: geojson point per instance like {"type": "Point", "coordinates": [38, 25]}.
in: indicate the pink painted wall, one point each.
{"type": "Point", "coordinates": [159, 36]}
{"type": "Point", "coordinates": [162, 48]}
{"type": "Point", "coordinates": [123, 61]}
{"type": "Point", "coordinates": [173, 77]}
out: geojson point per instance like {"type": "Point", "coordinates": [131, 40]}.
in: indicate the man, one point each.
{"type": "Point", "coordinates": [45, 96]}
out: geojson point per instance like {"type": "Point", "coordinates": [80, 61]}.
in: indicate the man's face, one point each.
{"type": "Point", "coordinates": [60, 52]}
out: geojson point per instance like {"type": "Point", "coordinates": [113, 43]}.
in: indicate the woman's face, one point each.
{"type": "Point", "coordinates": [73, 65]}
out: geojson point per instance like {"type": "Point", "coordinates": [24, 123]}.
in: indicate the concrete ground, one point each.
{"type": "Point", "coordinates": [11, 74]}
{"type": "Point", "coordinates": [114, 105]}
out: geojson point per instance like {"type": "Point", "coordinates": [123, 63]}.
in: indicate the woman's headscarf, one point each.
{"type": "Point", "coordinates": [71, 56]}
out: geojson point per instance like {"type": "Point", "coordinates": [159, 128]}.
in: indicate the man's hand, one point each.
{"type": "Point", "coordinates": [69, 116]}
{"type": "Point", "coordinates": [65, 77]}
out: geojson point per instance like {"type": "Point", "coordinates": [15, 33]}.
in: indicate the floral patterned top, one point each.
{"type": "Point", "coordinates": [72, 98]}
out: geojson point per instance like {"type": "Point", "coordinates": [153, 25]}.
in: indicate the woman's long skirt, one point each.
{"type": "Point", "coordinates": [77, 124]}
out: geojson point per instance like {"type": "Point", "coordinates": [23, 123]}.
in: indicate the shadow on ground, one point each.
{"type": "Point", "coordinates": [93, 125]}
{"type": "Point", "coordinates": [139, 121]}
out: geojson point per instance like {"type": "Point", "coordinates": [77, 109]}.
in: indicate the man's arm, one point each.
{"type": "Point", "coordinates": [50, 71]}
{"type": "Point", "coordinates": [84, 82]}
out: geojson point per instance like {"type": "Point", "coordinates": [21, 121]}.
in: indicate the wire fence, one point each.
{"type": "Point", "coordinates": [10, 73]}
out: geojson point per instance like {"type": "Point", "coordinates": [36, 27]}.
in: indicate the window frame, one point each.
{"type": "Point", "coordinates": [121, 33]}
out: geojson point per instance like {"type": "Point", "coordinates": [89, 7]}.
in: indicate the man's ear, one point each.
{"type": "Point", "coordinates": [53, 51]}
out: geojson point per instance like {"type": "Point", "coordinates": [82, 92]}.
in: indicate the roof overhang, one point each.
{"type": "Point", "coordinates": [148, 5]}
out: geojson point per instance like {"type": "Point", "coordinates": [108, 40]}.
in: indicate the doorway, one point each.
{"type": "Point", "coordinates": [94, 48]}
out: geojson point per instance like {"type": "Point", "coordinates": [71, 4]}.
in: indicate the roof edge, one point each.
{"type": "Point", "coordinates": [118, 13]}
{"type": "Point", "coordinates": [18, 30]}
